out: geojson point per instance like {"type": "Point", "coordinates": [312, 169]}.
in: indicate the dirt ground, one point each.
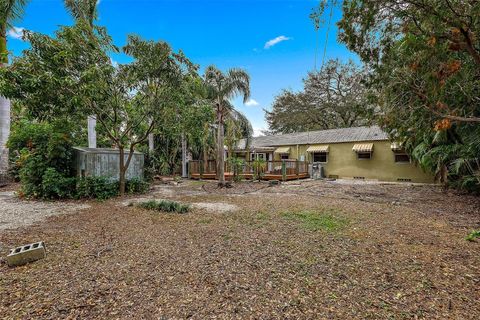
{"type": "Point", "coordinates": [301, 250]}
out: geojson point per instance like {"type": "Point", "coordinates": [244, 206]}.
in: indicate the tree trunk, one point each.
{"type": "Point", "coordinates": [184, 156]}
{"type": "Point", "coordinates": [122, 171]}
{"type": "Point", "coordinates": [220, 151]}
{"type": "Point", "coordinates": [4, 118]}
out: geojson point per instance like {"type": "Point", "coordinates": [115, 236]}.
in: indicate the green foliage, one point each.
{"type": "Point", "coordinates": [137, 185]}
{"type": "Point", "coordinates": [259, 167]}
{"type": "Point", "coordinates": [315, 221]}
{"type": "Point", "coordinates": [57, 186]}
{"type": "Point", "coordinates": [334, 97]}
{"type": "Point", "coordinates": [100, 188]}
{"type": "Point", "coordinates": [42, 151]}
{"type": "Point", "coordinates": [236, 165]}
{"type": "Point", "coordinates": [473, 235]}
{"type": "Point", "coordinates": [71, 75]}
{"type": "Point", "coordinates": [221, 88]}
{"type": "Point", "coordinates": [424, 62]}
{"type": "Point", "coordinates": [165, 206]}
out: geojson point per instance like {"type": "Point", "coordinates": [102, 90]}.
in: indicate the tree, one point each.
{"type": "Point", "coordinates": [424, 58]}
{"type": "Point", "coordinates": [10, 10]}
{"type": "Point", "coordinates": [72, 73]}
{"type": "Point", "coordinates": [334, 97]}
{"type": "Point", "coordinates": [222, 87]}
{"type": "Point", "coordinates": [86, 11]}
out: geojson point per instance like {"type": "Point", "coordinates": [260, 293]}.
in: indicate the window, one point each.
{"type": "Point", "coordinates": [284, 156]}
{"type": "Point", "coordinates": [260, 156]}
{"type": "Point", "coordinates": [402, 157]}
{"type": "Point", "coordinates": [320, 157]}
{"type": "Point", "coordinates": [364, 155]}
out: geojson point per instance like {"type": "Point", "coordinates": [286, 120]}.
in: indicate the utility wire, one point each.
{"type": "Point", "coordinates": [328, 30]}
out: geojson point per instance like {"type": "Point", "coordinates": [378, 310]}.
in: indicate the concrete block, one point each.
{"type": "Point", "coordinates": [25, 254]}
{"type": "Point", "coordinates": [274, 183]}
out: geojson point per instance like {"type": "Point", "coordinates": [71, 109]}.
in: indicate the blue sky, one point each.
{"type": "Point", "coordinates": [227, 33]}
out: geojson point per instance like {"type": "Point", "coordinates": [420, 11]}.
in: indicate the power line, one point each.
{"type": "Point", "coordinates": [332, 4]}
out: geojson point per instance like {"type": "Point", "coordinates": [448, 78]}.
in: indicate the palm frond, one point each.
{"type": "Point", "coordinates": [83, 10]}
{"type": "Point", "coordinates": [10, 11]}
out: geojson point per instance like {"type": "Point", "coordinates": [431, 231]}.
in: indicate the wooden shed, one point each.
{"type": "Point", "coordinates": [105, 162]}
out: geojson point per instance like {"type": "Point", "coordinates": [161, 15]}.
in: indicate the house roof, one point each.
{"type": "Point", "coordinates": [356, 134]}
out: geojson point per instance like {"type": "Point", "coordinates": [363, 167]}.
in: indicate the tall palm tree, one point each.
{"type": "Point", "coordinates": [10, 11]}
{"type": "Point", "coordinates": [222, 87]}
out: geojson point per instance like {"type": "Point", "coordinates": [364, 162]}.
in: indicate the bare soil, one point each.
{"type": "Point", "coordinates": [399, 253]}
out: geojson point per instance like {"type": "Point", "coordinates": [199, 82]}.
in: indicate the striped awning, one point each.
{"type": "Point", "coordinates": [318, 148]}
{"type": "Point", "coordinates": [284, 150]}
{"type": "Point", "coordinates": [396, 146]}
{"type": "Point", "coordinates": [363, 147]}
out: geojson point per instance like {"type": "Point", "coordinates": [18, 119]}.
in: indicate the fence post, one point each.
{"type": "Point", "coordinates": [201, 164]}
{"type": "Point", "coordinates": [297, 164]}
{"type": "Point", "coordinates": [284, 170]}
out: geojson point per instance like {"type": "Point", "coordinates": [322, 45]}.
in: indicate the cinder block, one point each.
{"type": "Point", "coordinates": [274, 183]}
{"type": "Point", "coordinates": [25, 254]}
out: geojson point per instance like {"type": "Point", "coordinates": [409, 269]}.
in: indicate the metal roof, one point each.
{"type": "Point", "coordinates": [355, 134]}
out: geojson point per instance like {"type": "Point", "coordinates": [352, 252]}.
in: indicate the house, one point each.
{"type": "Point", "coordinates": [363, 153]}
{"type": "Point", "coordinates": [354, 153]}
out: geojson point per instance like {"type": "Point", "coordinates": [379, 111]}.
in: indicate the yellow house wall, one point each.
{"type": "Point", "coordinates": [343, 162]}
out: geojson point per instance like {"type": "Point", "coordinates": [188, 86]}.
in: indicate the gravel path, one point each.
{"type": "Point", "coordinates": [16, 213]}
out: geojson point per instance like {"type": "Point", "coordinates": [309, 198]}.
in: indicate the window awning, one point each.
{"type": "Point", "coordinates": [363, 147]}
{"type": "Point", "coordinates": [318, 148]}
{"type": "Point", "coordinates": [285, 150]}
{"type": "Point", "coordinates": [395, 146]}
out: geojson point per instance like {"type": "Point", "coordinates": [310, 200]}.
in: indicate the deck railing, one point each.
{"type": "Point", "coordinates": [280, 169]}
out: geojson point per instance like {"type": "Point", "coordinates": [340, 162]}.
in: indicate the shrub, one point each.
{"type": "Point", "coordinates": [96, 188]}
{"type": "Point", "coordinates": [165, 205]}
{"type": "Point", "coordinates": [137, 185]}
{"type": "Point", "coordinates": [36, 148]}
{"type": "Point", "coordinates": [57, 186]}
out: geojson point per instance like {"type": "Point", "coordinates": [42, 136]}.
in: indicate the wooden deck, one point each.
{"type": "Point", "coordinates": [272, 170]}
{"type": "Point", "coordinates": [229, 176]}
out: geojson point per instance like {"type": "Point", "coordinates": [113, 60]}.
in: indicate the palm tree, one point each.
{"type": "Point", "coordinates": [10, 11]}
{"type": "Point", "coordinates": [83, 10]}
{"type": "Point", "coordinates": [222, 87]}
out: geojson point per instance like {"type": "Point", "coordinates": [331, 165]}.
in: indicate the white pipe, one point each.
{"type": "Point", "coordinates": [92, 133]}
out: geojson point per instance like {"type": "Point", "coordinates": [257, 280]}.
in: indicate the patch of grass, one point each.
{"type": "Point", "coordinates": [473, 235]}
{"type": "Point", "coordinates": [313, 220]}
{"type": "Point", "coordinates": [165, 206]}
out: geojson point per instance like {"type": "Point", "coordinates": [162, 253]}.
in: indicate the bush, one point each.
{"type": "Point", "coordinates": [42, 151]}
{"type": "Point", "coordinates": [96, 188]}
{"type": "Point", "coordinates": [137, 185]}
{"type": "Point", "coordinates": [57, 186]}
{"type": "Point", "coordinates": [165, 205]}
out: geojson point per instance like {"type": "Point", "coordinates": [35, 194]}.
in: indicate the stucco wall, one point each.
{"type": "Point", "coordinates": [343, 162]}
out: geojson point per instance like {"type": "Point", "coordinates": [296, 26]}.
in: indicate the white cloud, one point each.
{"type": "Point", "coordinates": [257, 132]}
{"type": "Point", "coordinates": [16, 32]}
{"type": "Point", "coordinates": [271, 43]}
{"type": "Point", "coordinates": [251, 103]}
{"type": "Point", "coordinates": [114, 63]}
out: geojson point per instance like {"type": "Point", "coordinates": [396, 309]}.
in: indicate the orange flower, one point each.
{"type": "Point", "coordinates": [443, 124]}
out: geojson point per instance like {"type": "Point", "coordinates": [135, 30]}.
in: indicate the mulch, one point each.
{"type": "Point", "coordinates": [401, 257]}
